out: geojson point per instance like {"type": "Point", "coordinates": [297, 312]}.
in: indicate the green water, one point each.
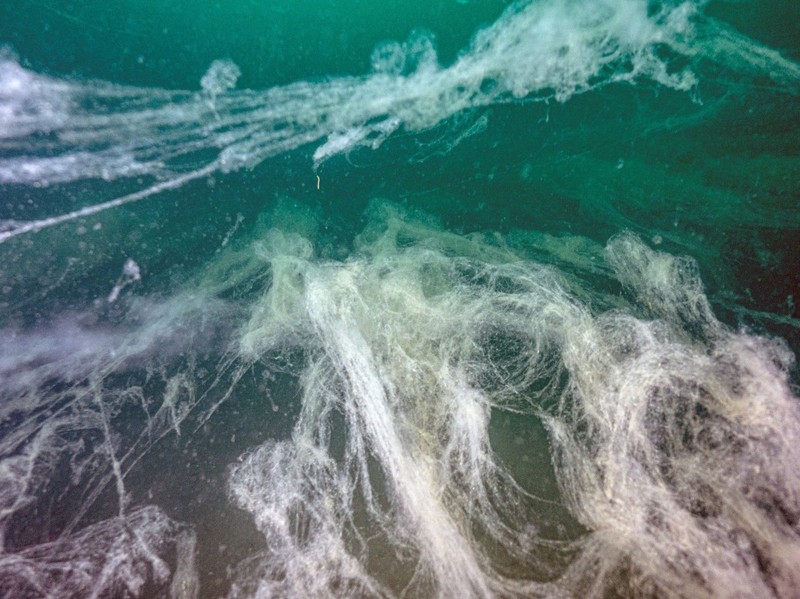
{"type": "Point", "coordinates": [528, 329]}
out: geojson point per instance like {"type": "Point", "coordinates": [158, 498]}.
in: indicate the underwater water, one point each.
{"type": "Point", "coordinates": [453, 298]}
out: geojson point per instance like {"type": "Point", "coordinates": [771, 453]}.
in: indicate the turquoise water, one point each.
{"type": "Point", "coordinates": [448, 298]}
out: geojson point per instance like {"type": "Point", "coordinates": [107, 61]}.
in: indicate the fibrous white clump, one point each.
{"type": "Point", "coordinates": [220, 77]}
{"type": "Point", "coordinates": [535, 51]}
